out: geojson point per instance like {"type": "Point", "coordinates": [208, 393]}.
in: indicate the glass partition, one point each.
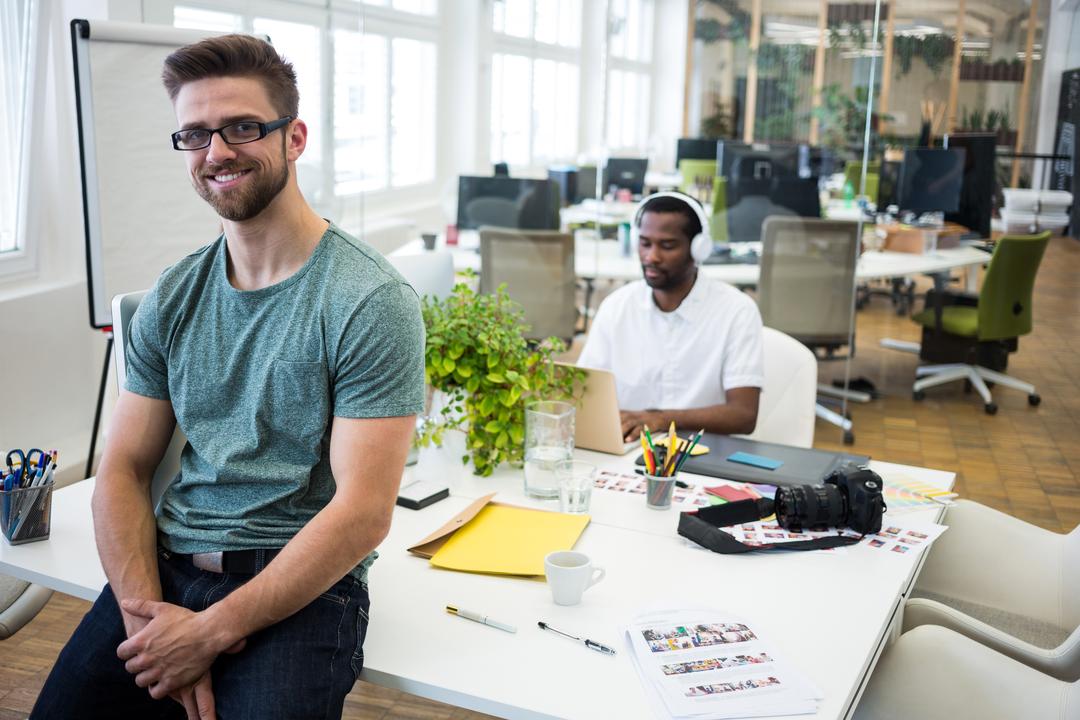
{"type": "Point", "coordinates": [787, 92]}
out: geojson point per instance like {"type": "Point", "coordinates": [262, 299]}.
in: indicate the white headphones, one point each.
{"type": "Point", "coordinates": [701, 245]}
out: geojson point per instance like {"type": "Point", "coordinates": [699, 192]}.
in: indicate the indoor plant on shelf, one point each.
{"type": "Point", "coordinates": [477, 356]}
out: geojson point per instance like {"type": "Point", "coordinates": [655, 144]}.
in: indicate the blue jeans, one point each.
{"type": "Point", "coordinates": [302, 667]}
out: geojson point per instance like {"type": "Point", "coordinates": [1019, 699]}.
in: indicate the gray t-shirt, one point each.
{"type": "Point", "coordinates": [255, 377]}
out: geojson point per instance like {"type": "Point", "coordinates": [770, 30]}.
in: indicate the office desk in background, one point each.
{"type": "Point", "coordinates": [602, 260]}
{"type": "Point", "coordinates": [829, 613]}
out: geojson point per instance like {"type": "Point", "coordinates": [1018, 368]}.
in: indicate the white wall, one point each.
{"type": "Point", "coordinates": [49, 386]}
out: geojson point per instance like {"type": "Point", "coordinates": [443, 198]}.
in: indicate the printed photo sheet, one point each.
{"type": "Point", "coordinates": [708, 664]}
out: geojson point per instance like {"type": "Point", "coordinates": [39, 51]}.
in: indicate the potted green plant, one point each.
{"type": "Point", "coordinates": [478, 357]}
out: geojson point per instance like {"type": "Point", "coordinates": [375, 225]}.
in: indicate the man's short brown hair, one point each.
{"type": "Point", "coordinates": [234, 56]}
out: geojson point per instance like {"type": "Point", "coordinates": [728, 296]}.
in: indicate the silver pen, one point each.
{"type": "Point", "coordinates": [591, 644]}
{"type": "Point", "coordinates": [482, 619]}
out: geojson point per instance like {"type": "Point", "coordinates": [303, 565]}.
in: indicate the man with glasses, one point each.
{"type": "Point", "coordinates": [292, 357]}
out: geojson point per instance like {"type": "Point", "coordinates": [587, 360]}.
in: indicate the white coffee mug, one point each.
{"type": "Point", "coordinates": [569, 574]}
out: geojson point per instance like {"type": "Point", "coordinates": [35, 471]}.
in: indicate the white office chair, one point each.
{"type": "Point", "coordinates": [786, 410]}
{"type": "Point", "coordinates": [429, 273]}
{"type": "Point", "coordinates": [123, 310]}
{"type": "Point", "coordinates": [933, 673]}
{"type": "Point", "coordinates": [1009, 585]}
{"type": "Point", "coordinates": [20, 602]}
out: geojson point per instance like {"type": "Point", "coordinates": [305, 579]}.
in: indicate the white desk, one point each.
{"type": "Point", "coordinates": [602, 260]}
{"type": "Point", "coordinates": [830, 614]}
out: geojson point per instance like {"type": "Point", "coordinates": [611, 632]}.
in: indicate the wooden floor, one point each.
{"type": "Point", "coordinates": [1024, 461]}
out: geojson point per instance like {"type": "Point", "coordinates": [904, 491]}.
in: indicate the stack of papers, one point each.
{"type": "Point", "coordinates": [702, 664]}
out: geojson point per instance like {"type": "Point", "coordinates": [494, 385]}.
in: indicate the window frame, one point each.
{"type": "Point", "coordinates": [23, 260]}
{"type": "Point", "coordinates": [328, 16]}
{"type": "Point", "coordinates": [641, 68]}
{"type": "Point", "coordinates": [534, 50]}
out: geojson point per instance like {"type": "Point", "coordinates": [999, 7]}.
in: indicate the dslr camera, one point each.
{"type": "Point", "coordinates": [850, 497]}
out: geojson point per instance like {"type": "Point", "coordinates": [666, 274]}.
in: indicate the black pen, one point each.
{"type": "Point", "coordinates": [588, 643]}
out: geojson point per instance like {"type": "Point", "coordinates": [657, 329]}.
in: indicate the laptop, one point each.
{"type": "Point", "coordinates": [596, 424]}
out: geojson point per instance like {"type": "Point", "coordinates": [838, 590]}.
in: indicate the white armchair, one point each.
{"type": "Point", "coordinates": [1007, 584]}
{"type": "Point", "coordinates": [933, 673]}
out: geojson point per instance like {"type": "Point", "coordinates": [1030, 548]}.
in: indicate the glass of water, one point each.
{"type": "Point", "coordinates": [575, 485]}
{"type": "Point", "coordinates": [549, 438]}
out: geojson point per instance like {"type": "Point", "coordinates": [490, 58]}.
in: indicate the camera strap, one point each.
{"type": "Point", "coordinates": [705, 527]}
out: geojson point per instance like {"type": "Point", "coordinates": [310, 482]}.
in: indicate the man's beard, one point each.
{"type": "Point", "coordinates": [246, 201]}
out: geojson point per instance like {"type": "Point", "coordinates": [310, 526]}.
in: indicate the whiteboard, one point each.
{"type": "Point", "coordinates": [140, 212]}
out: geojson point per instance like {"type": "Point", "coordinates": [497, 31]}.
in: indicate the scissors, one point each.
{"type": "Point", "coordinates": [25, 459]}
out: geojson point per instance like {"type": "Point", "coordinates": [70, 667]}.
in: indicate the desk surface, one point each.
{"type": "Point", "coordinates": [828, 613]}
{"type": "Point", "coordinates": [601, 259]}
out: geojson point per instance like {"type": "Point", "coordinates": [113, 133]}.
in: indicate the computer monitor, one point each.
{"type": "Point", "coordinates": [575, 183]}
{"type": "Point", "coordinates": [751, 200]}
{"type": "Point", "coordinates": [931, 179]}
{"type": "Point", "coordinates": [977, 191]}
{"type": "Point", "coordinates": [522, 203]}
{"type": "Point", "coordinates": [694, 149]}
{"type": "Point", "coordinates": [586, 183]}
{"type": "Point", "coordinates": [626, 174]}
{"type": "Point", "coordinates": [756, 162]}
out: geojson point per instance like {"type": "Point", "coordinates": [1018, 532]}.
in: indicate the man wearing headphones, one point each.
{"type": "Point", "coordinates": [683, 347]}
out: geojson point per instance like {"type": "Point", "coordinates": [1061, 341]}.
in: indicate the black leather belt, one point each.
{"type": "Point", "coordinates": [243, 562]}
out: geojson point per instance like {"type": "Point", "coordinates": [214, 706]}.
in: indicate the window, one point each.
{"type": "Point", "coordinates": [384, 111]}
{"type": "Point", "coordinates": [14, 87]}
{"type": "Point", "coordinates": [535, 72]}
{"type": "Point", "coordinates": [629, 74]}
{"type": "Point", "coordinates": [380, 100]}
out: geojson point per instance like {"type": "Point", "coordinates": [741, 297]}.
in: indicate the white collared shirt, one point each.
{"type": "Point", "coordinates": [687, 358]}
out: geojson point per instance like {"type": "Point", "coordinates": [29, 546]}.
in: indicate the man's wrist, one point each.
{"type": "Point", "coordinates": [220, 627]}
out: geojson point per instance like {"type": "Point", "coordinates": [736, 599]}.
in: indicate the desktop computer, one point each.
{"type": "Point", "coordinates": [931, 180]}
{"type": "Point", "coordinates": [522, 203]}
{"type": "Point", "coordinates": [757, 162]}
{"type": "Point", "coordinates": [977, 189]}
{"type": "Point", "coordinates": [626, 174]}
{"type": "Point", "coordinates": [695, 149]}
{"type": "Point", "coordinates": [751, 200]}
{"type": "Point", "coordinates": [575, 184]}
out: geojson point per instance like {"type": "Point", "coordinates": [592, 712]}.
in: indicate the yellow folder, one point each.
{"type": "Point", "coordinates": [509, 540]}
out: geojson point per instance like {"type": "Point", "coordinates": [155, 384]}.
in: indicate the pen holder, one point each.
{"type": "Point", "coordinates": [26, 513]}
{"type": "Point", "coordinates": [658, 491]}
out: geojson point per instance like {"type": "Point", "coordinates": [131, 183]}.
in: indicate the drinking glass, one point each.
{"type": "Point", "coordinates": [549, 438]}
{"type": "Point", "coordinates": [575, 485]}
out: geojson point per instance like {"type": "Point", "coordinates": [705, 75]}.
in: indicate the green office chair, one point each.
{"type": "Point", "coordinates": [853, 175]}
{"type": "Point", "coordinates": [974, 335]}
{"type": "Point", "coordinates": [694, 172]}
{"type": "Point", "coordinates": [718, 221]}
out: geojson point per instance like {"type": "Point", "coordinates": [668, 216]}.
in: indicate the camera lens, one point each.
{"type": "Point", "coordinates": [810, 507]}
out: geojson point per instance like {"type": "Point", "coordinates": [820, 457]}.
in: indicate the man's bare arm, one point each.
{"type": "Point", "coordinates": [367, 457]}
{"type": "Point", "coordinates": [124, 524]}
{"type": "Point", "coordinates": [737, 416]}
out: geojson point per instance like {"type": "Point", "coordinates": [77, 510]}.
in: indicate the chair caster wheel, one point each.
{"type": "Point", "coordinates": [991, 408]}
{"type": "Point", "coordinates": [849, 437]}
{"type": "Point", "coordinates": [968, 387]}
{"type": "Point", "coordinates": [918, 395]}
{"type": "Point", "coordinates": [1034, 399]}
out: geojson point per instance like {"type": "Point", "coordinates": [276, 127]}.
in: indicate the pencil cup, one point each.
{"type": "Point", "coordinates": [25, 513]}
{"type": "Point", "coordinates": [658, 491]}
{"type": "Point", "coordinates": [570, 574]}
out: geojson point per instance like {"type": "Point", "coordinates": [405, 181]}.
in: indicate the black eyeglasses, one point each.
{"type": "Point", "coordinates": [236, 133]}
